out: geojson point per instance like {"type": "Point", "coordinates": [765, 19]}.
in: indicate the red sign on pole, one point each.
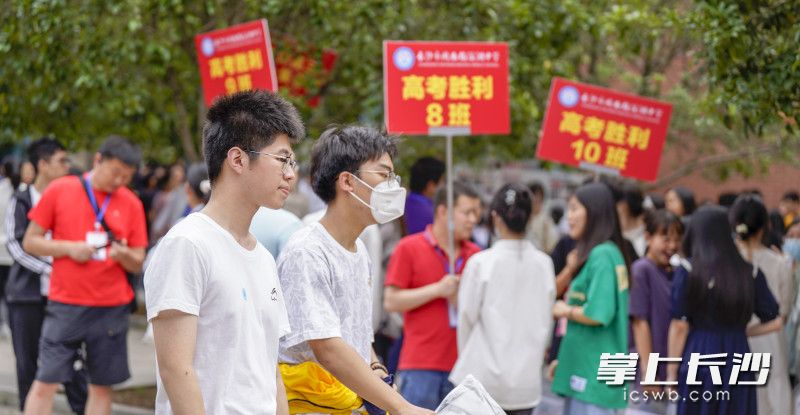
{"type": "Point", "coordinates": [446, 86]}
{"type": "Point", "coordinates": [603, 130]}
{"type": "Point", "coordinates": [236, 59]}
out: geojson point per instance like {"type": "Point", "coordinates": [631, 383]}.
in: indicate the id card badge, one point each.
{"type": "Point", "coordinates": [98, 239]}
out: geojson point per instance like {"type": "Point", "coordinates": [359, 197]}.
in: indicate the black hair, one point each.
{"type": "Point", "coordinates": [633, 196]}
{"type": "Point", "coordinates": [513, 204]}
{"type": "Point", "coordinates": [460, 188]}
{"type": "Point", "coordinates": [536, 188]}
{"type": "Point", "coordinates": [776, 223]}
{"type": "Point", "coordinates": [120, 148]}
{"type": "Point", "coordinates": [345, 149]}
{"type": "Point", "coordinates": [197, 177]}
{"type": "Point", "coordinates": [602, 222]}
{"type": "Point", "coordinates": [748, 216]}
{"type": "Point", "coordinates": [661, 221]}
{"type": "Point", "coordinates": [657, 200]}
{"type": "Point", "coordinates": [250, 120]}
{"type": "Point", "coordinates": [424, 171]}
{"type": "Point", "coordinates": [556, 213]}
{"type": "Point", "coordinates": [687, 199]}
{"type": "Point", "coordinates": [720, 276]}
{"type": "Point", "coordinates": [43, 149]}
{"type": "Point", "coordinates": [727, 199]}
{"type": "Point", "coordinates": [791, 196]}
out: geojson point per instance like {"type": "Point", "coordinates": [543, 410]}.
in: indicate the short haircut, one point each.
{"type": "Point", "coordinates": [345, 149]}
{"type": "Point", "coordinates": [424, 171]}
{"type": "Point", "coordinates": [791, 196]}
{"type": "Point", "coordinates": [120, 148]}
{"type": "Point", "coordinates": [536, 188]}
{"type": "Point", "coordinates": [250, 120]}
{"type": "Point", "coordinates": [460, 188]}
{"type": "Point", "coordinates": [43, 149]}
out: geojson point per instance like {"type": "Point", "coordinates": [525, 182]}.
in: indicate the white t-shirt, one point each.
{"type": "Point", "coordinates": [505, 302]}
{"type": "Point", "coordinates": [199, 268]}
{"type": "Point", "coordinates": [328, 294]}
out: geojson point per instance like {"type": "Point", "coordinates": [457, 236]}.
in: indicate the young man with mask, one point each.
{"type": "Point", "coordinates": [420, 284]}
{"type": "Point", "coordinates": [212, 290]}
{"type": "Point", "coordinates": [324, 271]}
{"type": "Point", "coordinates": [29, 279]}
{"type": "Point", "coordinates": [90, 296]}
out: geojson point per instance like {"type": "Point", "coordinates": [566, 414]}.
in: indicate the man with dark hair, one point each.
{"type": "Point", "coordinates": [789, 207]}
{"type": "Point", "coordinates": [542, 231]}
{"type": "Point", "coordinates": [426, 176]}
{"type": "Point", "coordinates": [98, 234]}
{"type": "Point", "coordinates": [324, 270]}
{"type": "Point", "coordinates": [420, 283]}
{"type": "Point", "coordinates": [212, 290]}
{"type": "Point", "coordinates": [29, 278]}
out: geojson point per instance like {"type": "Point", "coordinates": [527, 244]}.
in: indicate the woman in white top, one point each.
{"type": "Point", "coordinates": [505, 299]}
{"type": "Point", "coordinates": [748, 217]}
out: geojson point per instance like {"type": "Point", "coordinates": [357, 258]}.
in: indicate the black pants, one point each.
{"type": "Point", "coordinates": [25, 320]}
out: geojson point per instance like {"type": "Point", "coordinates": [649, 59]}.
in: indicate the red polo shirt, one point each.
{"type": "Point", "coordinates": [429, 343]}
{"type": "Point", "coordinates": [66, 211]}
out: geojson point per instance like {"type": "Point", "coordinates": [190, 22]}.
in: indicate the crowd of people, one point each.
{"type": "Point", "coordinates": [330, 289]}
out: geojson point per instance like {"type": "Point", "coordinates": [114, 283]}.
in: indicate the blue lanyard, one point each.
{"type": "Point", "coordinates": [98, 212]}
{"type": "Point", "coordinates": [446, 263]}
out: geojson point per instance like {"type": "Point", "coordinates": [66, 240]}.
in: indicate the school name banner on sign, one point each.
{"type": "Point", "coordinates": [446, 85]}
{"type": "Point", "coordinates": [234, 59]}
{"type": "Point", "coordinates": [604, 130]}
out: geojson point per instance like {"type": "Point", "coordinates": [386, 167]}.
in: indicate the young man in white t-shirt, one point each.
{"type": "Point", "coordinates": [212, 290]}
{"type": "Point", "coordinates": [325, 271]}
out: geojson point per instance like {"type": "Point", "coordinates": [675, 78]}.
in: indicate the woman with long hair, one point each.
{"type": "Point", "coordinates": [505, 298]}
{"type": "Point", "coordinates": [715, 293]}
{"type": "Point", "coordinates": [749, 219]}
{"type": "Point", "coordinates": [596, 306]}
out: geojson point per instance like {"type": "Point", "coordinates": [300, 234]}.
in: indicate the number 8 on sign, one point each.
{"type": "Point", "coordinates": [435, 117]}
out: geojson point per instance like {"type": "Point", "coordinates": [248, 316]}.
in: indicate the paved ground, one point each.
{"type": "Point", "coordinates": [141, 358]}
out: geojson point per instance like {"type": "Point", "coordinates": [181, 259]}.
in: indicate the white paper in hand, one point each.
{"type": "Point", "coordinates": [469, 398]}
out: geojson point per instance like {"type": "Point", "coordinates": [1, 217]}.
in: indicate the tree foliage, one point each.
{"type": "Point", "coordinates": [88, 68]}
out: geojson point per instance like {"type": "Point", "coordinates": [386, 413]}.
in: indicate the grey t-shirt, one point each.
{"type": "Point", "coordinates": [328, 294]}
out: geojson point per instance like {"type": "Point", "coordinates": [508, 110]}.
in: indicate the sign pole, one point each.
{"type": "Point", "coordinates": [451, 227]}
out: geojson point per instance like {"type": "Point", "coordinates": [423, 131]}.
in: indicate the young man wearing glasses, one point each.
{"type": "Point", "coordinates": [324, 271]}
{"type": "Point", "coordinates": [212, 290]}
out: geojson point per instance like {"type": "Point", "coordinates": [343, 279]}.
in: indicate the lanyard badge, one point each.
{"type": "Point", "coordinates": [97, 237]}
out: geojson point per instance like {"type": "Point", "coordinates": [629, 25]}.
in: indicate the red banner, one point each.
{"type": "Point", "coordinates": [304, 70]}
{"type": "Point", "coordinates": [604, 130]}
{"type": "Point", "coordinates": [429, 86]}
{"type": "Point", "coordinates": [236, 59]}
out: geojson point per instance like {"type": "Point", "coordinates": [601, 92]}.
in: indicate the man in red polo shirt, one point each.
{"type": "Point", "coordinates": [98, 234]}
{"type": "Point", "coordinates": [419, 284]}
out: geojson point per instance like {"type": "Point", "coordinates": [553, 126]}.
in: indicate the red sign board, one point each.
{"type": "Point", "coordinates": [303, 69]}
{"type": "Point", "coordinates": [604, 130]}
{"type": "Point", "coordinates": [430, 86]}
{"type": "Point", "coordinates": [236, 59]}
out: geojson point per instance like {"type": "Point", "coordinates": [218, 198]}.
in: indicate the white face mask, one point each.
{"type": "Point", "coordinates": [387, 203]}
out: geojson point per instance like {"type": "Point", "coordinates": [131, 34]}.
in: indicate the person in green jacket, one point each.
{"type": "Point", "coordinates": [596, 307]}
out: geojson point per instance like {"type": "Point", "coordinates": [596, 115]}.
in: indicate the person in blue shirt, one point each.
{"type": "Point", "coordinates": [426, 176]}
